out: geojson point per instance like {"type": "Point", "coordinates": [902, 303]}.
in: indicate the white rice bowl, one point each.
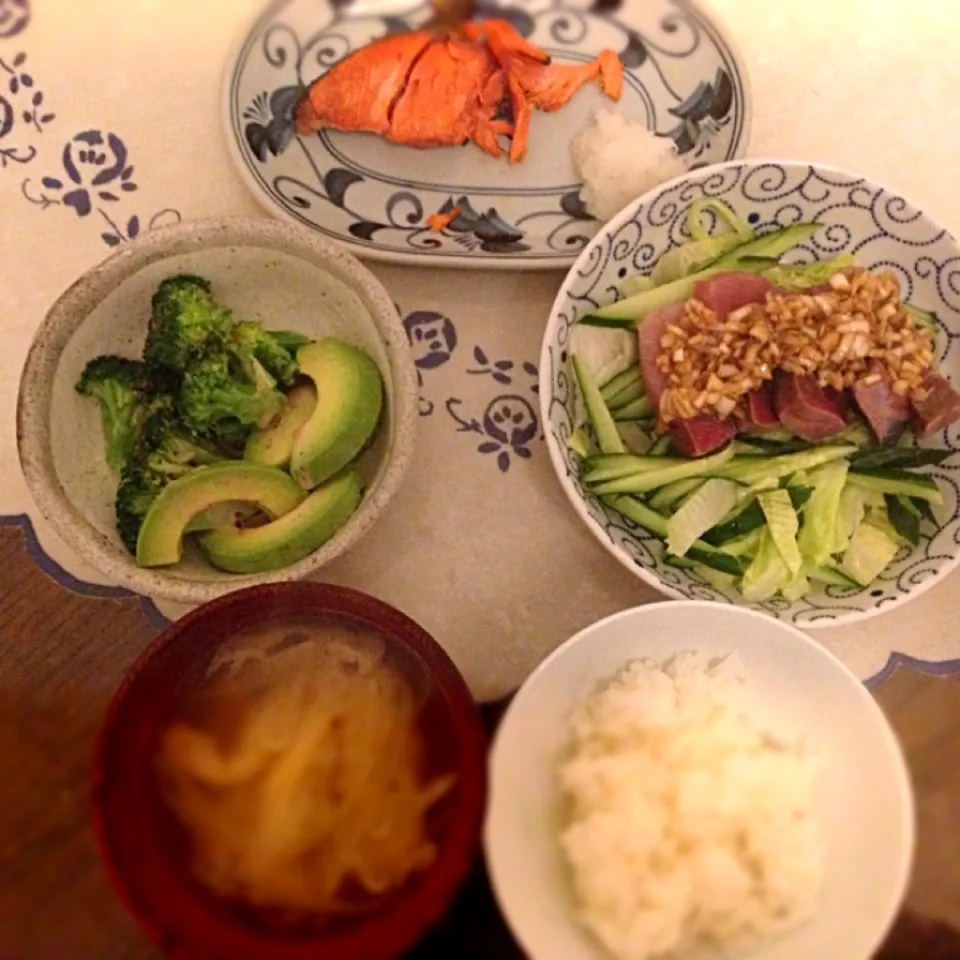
{"type": "Point", "coordinates": [832, 882]}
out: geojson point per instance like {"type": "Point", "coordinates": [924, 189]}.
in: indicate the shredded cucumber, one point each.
{"type": "Point", "coordinates": [897, 481]}
{"type": "Point", "coordinates": [651, 479]}
{"type": "Point", "coordinates": [671, 494]}
{"type": "Point", "coordinates": [750, 470]}
{"type": "Point", "coordinates": [620, 381]}
{"type": "Point", "coordinates": [580, 443]}
{"type": "Point", "coordinates": [746, 545]}
{"type": "Point", "coordinates": [627, 396]}
{"type": "Point", "coordinates": [639, 409]}
{"type": "Point", "coordinates": [660, 446]}
{"type": "Point", "coordinates": [635, 439]}
{"type": "Point", "coordinates": [656, 523]}
{"type": "Point", "coordinates": [603, 426]}
{"type": "Point", "coordinates": [615, 466]}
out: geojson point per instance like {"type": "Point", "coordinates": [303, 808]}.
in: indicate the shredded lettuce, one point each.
{"type": "Point", "coordinates": [703, 509]}
{"type": "Point", "coordinates": [782, 523]}
{"type": "Point", "coordinates": [766, 574]}
{"type": "Point", "coordinates": [716, 578]}
{"type": "Point", "coordinates": [799, 276]}
{"type": "Point", "coordinates": [818, 536]}
{"type": "Point", "coordinates": [796, 587]}
{"type": "Point", "coordinates": [850, 513]}
{"type": "Point", "coordinates": [639, 283]}
{"type": "Point", "coordinates": [871, 550]}
{"type": "Point", "coordinates": [605, 353]}
{"type": "Point", "coordinates": [691, 257]}
{"type": "Point", "coordinates": [724, 213]}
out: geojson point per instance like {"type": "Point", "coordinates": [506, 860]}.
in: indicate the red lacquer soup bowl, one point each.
{"type": "Point", "coordinates": [147, 851]}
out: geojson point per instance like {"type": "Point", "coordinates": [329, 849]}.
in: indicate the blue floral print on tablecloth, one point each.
{"type": "Point", "coordinates": [23, 111]}
{"type": "Point", "coordinates": [433, 340]}
{"type": "Point", "coordinates": [14, 17]}
{"type": "Point", "coordinates": [508, 425]}
{"type": "Point", "coordinates": [95, 168]}
{"type": "Point", "coordinates": [96, 175]}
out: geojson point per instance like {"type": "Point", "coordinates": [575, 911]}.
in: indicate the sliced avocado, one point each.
{"type": "Point", "coordinates": [273, 445]}
{"type": "Point", "coordinates": [290, 538]}
{"type": "Point", "coordinates": [349, 399]}
{"type": "Point", "coordinates": [161, 535]}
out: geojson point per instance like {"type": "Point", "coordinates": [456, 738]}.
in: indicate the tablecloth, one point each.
{"type": "Point", "coordinates": [110, 125]}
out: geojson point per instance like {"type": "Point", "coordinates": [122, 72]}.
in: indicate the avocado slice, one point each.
{"type": "Point", "coordinates": [161, 536]}
{"type": "Point", "coordinates": [273, 445]}
{"type": "Point", "coordinates": [290, 538]}
{"type": "Point", "coordinates": [349, 400]}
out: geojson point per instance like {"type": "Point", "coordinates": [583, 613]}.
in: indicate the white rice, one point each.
{"type": "Point", "coordinates": [620, 160]}
{"type": "Point", "coordinates": [687, 823]}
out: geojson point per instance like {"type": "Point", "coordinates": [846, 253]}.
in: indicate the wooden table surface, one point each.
{"type": "Point", "coordinates": [62, 656]}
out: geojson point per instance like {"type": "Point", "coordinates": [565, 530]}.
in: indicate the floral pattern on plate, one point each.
{"type": "Point", "coordinates": [682, 79]}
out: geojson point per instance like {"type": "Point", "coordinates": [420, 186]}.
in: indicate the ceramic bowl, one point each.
{"type": "Point", "coordinates": [883, 230]}
{"type": "Point", "coordinates": [863, 799]}
{"type": "Point", "coordinates": [284, 276]}
{"type": "Point", "coordinates": [145, 853]}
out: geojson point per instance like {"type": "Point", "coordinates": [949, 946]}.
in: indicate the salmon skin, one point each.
{"type": "Point", "coordinates": [427, 90]}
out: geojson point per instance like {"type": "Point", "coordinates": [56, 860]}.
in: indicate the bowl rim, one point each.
{"type": "Point", "coordinates": [387, 933]}
{"type": "Point", "coordinates": [65, 317]}
{"type": "Point", "coordinates": [648, 574]}
{"type": "Point", "coordinates": [891, 741]}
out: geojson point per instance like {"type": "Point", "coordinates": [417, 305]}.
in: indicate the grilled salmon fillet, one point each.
{"type": "Point", "coordinates": [424, 90]}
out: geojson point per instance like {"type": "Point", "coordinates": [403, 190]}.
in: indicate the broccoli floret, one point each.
{"type": "Point", "coordinates": [185, 321]}
{"type": "Point", "coordinates": [137, 490]}
{"type": "Point", "coordinates": [230, 436]}
{"type": "Point", "coordinates": [213, 391]}
{"type": "Point", "coordinates": [168, 450]}
{"type": "Point", "coordinates": [124, 389]}
{"type": "Point", "coordinates": [248, 338]}
{"type": "Point", "coordinates": [290, 340]}
{"type": "Point", "coordinates": [165, 451]}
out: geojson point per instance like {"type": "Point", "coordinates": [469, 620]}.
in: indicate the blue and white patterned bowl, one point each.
{"type": "Point", "coordinates": [883, 230]}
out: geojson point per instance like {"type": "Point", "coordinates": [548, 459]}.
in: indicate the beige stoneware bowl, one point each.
{"type": "Point", "coordinates": [287, 278]}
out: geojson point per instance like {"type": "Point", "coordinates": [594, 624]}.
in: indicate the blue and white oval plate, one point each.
{"type": "Point", "coordinates": [683, 78]}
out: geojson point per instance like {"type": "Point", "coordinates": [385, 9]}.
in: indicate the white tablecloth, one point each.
{"type": "Point", "coordinates": [480, 547]}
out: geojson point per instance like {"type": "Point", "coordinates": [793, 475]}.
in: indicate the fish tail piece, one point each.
{"type": "Point", "coordinates": [505, 41]}
{"type": "Point", "coordinates": [611, 74]}
{"type": "Point", "coordinates": [440, 221]}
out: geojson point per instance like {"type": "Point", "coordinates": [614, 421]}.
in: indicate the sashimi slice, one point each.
{"type": "Point", "coordinates": [701, 435]}
{"type": "Point", "coordinates": [805, 408]}
{"type": "Point", "coordinates": [650, 331]}
{"type": "Point", "coordinates": [727, 291]}
{"type": "Point", "coordinates": [886, 412]}
{"type": "Point", "coordinates": [759, 413]}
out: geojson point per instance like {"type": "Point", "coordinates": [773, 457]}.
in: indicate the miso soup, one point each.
{"type": "Point", "coordinates": [300, 770]}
